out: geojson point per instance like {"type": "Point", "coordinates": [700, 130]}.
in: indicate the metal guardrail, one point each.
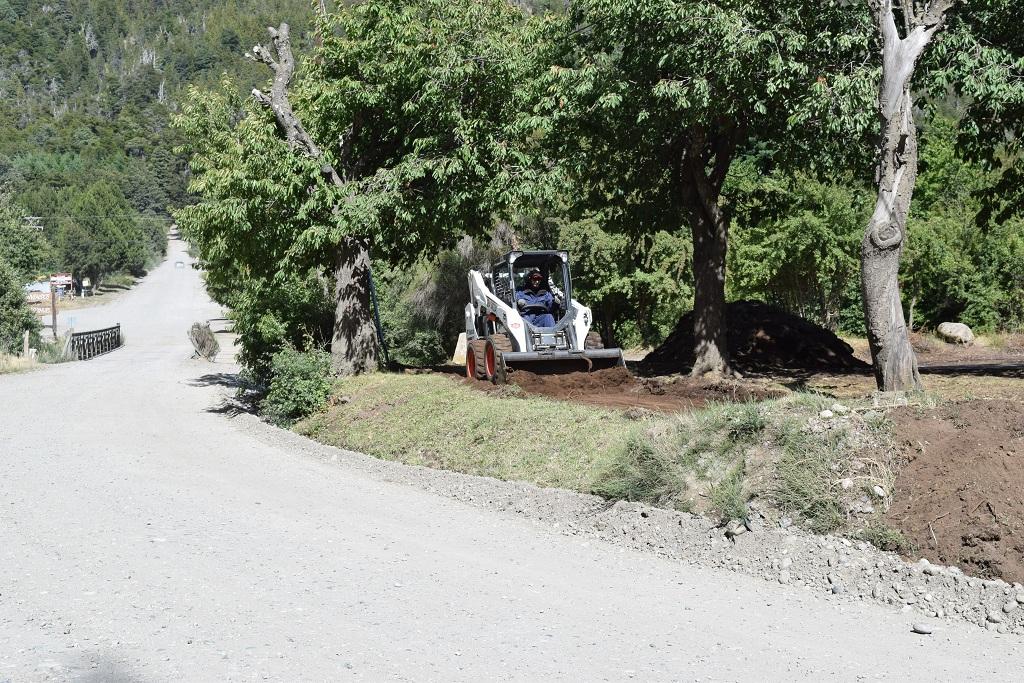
{"type": "Point", "coordinates": [86, 345]}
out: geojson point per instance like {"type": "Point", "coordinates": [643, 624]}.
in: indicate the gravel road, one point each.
{"type": "Point", "coordinates": [145, 534]}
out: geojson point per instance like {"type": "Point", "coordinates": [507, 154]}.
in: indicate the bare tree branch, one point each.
{"type": "Point", "coordinates": [277, 101]}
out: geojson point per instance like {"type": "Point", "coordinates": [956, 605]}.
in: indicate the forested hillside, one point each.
{"type": "Point", "coordinates": [86, 92]}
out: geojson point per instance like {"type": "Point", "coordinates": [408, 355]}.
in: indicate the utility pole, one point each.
{"type": "Point", "coordinates": [53, 309]}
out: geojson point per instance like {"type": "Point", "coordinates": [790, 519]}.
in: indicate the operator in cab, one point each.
{"type": "Point", "coordinates": [536, 304]}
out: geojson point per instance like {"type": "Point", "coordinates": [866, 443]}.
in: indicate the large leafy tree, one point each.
{"type": "Point", "coordinates": [647, 103]}
{"type": "Point", "coordinates": [15, 316]}
{"type": "Point", "coordinates": [396, 141]}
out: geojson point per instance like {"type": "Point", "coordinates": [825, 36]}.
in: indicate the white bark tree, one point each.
{"type": "Point", "coordinates": [894, 361]}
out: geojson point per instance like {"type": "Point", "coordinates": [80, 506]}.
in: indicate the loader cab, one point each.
{"type": "Point", "coordinates": [508, 275]}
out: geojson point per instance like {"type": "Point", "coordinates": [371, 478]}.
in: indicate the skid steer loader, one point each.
{"type": "Point", "coordinates": [500, 338]}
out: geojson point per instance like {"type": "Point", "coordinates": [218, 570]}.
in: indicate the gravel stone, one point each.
{"type": "Point", "coordinates": [922, 628]}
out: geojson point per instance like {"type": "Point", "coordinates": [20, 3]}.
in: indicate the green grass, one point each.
{"type": "Point", "coordinates": [711, 461]}
{"type": "Point", "coordinates": [435, 421]}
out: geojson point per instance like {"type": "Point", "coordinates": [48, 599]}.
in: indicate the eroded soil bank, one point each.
{"type": "Point", "coordinates": [959, 499]}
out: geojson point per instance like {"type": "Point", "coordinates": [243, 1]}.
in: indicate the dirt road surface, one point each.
{"type": "Point", "coordinates": [145, 535]}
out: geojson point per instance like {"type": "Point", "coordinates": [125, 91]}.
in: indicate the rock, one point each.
{"type": "Point", "coordinates": [955, 333]}
{"type": "Point", "coordinates": [878, 491]}
{"type": "Point", "coordinates": [932, 570]}
{"type": "Point", "coordinates": [839, 409]}
{"type": "Point", "coordinates": [994, 617]}
{"type": "Point", "coordinates": [1010, 606]}
{"type": "Point", "coordinates": [847, 484]}
{"type": "Point", "coordinates": [837, 589]}
{"type": "Point", "coordinates": [785, 522]}
{"type": "Point", "coordinates": [826, 414]}
{"type": "Point", "coordinates": [877, 591]}
{"type": "Point", "coordinates": [785, 577]}
{"type": "Point", "coordinates": [1020, 598]}
{"type": "Point", "coordinates": [787, 562]}
{"type": "Point", "coordinates": [922, 628]}
{"type": "Point", "coordinates": [735, 528]}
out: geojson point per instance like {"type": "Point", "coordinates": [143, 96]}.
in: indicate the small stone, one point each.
{"type": "Point", "coordinates": [839, 409]}
{"type": "Point", "coordinates": [922, 628]}
{"type": "Point", "coordinates": [833, 579]}
{"type": "Point", "coordinates": [785, 577]}
{"type": "Point", "coordinates": [837, 589]}
{"type": "Point", "coordinates": [1002, 628]}
{"type": "Point", "coordinates": [847, 484]}
{"type": "Point", "coordinates": [1020, 598]}
{"type": "Point", "coordinates": [1010, 606]}
{"type": "Point", "coordinates": [878, 491]}
{"type": "Point", "coordinates": [785, 522]}
{"type": "Point", "coordinates": [932, 570]}
{"type": "Point", "coordinates": [787, 562]}
{"type": "Point", "coordinates": [994, 617]}
{"type": "Point", "coordinates": [877, 591]}
{"type": "Point", "coordinates": [826, 414]}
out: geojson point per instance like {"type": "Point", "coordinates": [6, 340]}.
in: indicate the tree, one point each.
{"type": "Point", "coordinates": [894, 362]}
{"type": "Point", "coordinates": [25, 249]}
{"type": "Point", "coordinates": [647, 103]}
{"type": "Point", "coordinates": [15, 316]}
{"type": "Point", "coordinates": [420, 98]}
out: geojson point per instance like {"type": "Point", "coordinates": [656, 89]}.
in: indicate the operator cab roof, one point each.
{"type": "Point", "coordinates": [535, 259]}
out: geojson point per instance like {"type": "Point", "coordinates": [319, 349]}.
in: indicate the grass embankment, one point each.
{"type": "Point", "coordinates": [11, 364]}
{"type": "Point", "coordinates": [783, 456]}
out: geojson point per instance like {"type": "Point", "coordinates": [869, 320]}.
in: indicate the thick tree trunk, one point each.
{"type": "Point", "coordinates": [706, 164]}
{"type": "Point", "coordinates": [895, 364]}
{"type": "Point", "coordinates": [354, 347]}
{"type": "Point", "coordinates": [710, 239]}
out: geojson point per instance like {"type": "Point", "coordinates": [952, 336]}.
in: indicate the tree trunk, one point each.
{"type": "Point", "coordinates": [354, 347]}
{"type": "Point", "coordinates": [895, 364]}
{"type": "Point", "coordinates": [711, 353]}
{"type": "Point", "coordinates": [707, 164]}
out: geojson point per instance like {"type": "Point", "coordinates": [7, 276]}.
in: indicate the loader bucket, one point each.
{"type": "Point", "coordinates": [558, 362]}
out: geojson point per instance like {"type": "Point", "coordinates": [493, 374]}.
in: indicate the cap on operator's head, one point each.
{"type": "Point", "coordinates": [534, 276]}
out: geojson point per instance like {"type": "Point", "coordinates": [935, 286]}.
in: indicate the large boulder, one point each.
{"type": "Point", "coordinates": [955, 333]}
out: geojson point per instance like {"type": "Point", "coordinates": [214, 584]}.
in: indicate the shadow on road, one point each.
{"type": "Point", "coordinates": [1015, 370]}
{"type": "Point", "coordinates": [230, 380]}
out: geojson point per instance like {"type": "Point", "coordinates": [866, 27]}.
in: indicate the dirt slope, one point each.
{"type": "Point", "coordinates": [960, 499]}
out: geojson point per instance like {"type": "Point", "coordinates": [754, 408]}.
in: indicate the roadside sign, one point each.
{"type": "Point", "coordinates": [61, 280]}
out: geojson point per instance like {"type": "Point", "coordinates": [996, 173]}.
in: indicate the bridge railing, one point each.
{"type": "Point", "coordinates": [86, 345]}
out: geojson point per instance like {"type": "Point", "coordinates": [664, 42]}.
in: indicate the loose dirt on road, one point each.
{"type": "Point", "coordinates": [958, 499]}
{"type": "Point", "coordinates": [618, 388]}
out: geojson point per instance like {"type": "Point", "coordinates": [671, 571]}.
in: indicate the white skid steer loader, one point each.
{"type": "Point", "coordinates": [504, 332]}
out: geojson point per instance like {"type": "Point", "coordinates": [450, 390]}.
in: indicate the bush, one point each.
{"type": "Point", "coordinates": [639, 473]}
{"type": "Point", "coordinates": [300, 382]}
{"type": "Point", "coordinates": [15, 315]}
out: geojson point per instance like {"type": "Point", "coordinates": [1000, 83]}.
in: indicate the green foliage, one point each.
{"type": "Point", "coordinates": [25, 249]}
{"type": "Point", "coordinates": [423, 95]}
{"type": "Point", "coordinates": [806, 484]}
{"type": "Point", "coordinates": [300, 383]}
{"type": "Point", "coordinates": [15, 315]}
{"type": "Point", "coordinates": [796, 243]}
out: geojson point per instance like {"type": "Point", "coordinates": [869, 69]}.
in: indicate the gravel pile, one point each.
{"type": "Point", "coordinates": [838, 567]}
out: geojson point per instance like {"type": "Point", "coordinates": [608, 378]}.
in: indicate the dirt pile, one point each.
{"type": "Point", "coordinates": [618, 388]}
{"type": "Point", "coordinates": [761, 338]}
{"type": "Point", "coordinates": [960, 498]}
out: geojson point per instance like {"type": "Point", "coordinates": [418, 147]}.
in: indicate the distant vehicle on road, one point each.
{"type": "Point", "coordinates": [179, 264]}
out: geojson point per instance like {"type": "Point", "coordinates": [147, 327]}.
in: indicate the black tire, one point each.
{"type": "Point", "coordinates": [593, 340]}
{"type": "Point", "coordinates": [500, 343]}
{"type": "Point", "coordinates": [475, 359]}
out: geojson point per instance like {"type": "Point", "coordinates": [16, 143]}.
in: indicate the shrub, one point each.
{"type": "Point", "coordinates": [638, 473]}
{"type": "Point", "coordinates": [15, 315]}
{"type": "Point", "coordinates": [300, 382]}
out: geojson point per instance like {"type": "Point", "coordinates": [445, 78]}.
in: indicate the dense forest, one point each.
{"type": "Point", "coordinates": [86, 146]}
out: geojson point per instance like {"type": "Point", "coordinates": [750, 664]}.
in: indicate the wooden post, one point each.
{"type": "Point", "coordinates": [24, 345]}
{"type": "Point", "coordinates": [53, 309]}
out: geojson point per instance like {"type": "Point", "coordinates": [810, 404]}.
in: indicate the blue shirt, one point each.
{"type": "Point", "coordinates": [541, 297]}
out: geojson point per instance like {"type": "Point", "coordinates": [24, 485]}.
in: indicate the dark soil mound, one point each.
{"type": "Point", "coordinates": [761, 338]}
{"type": "Point", "coordinates": [960, 498]}
{"type": "Point", "coordinates": [618, 388]}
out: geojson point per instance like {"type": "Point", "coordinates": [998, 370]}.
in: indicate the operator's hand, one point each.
{"type": "Point", "coordinates": [521, 303]}
{"type": "Point", "coordinates": [559, 300]}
